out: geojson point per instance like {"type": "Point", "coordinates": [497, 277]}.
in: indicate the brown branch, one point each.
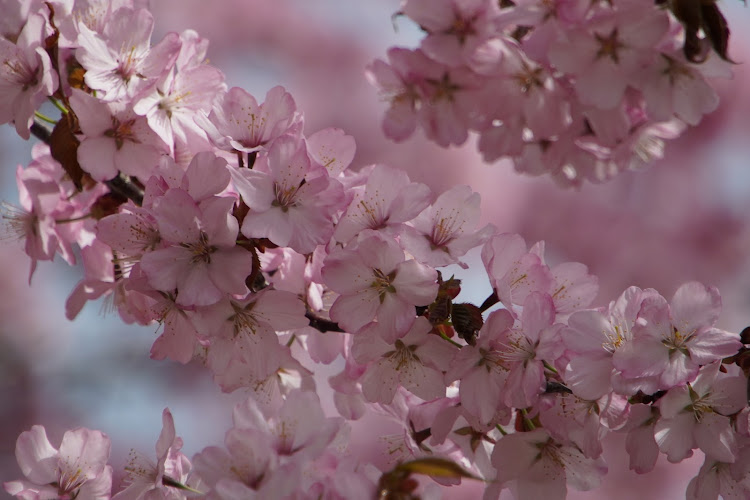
{"type": "Point", "coordinates": [489, 301]}
{"type": "Point", "coordinates": [323, 325]}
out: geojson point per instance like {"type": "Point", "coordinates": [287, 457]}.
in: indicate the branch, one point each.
{"type": "Point", "coordinates": [489, 301]}
{"type": "Point", "coordinates": [323, 325]}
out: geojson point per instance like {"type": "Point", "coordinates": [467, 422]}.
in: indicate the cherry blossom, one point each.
{"type": "Point", "coordinates": [121, 62]}
{"type": "Point", "coordinates": [730, 480]}
{"type": "Point", "coordinates": [42, 203]}
{"type": "Point", "coordinates": [263, 251]}
{"type": "Point", "coordinates": [594, 338]}
{"type": "Point", "coordinates": [292, 204]}
{"type": "Point", "coordinates": [526, 349]}
{"type": "Point", "coordinates": [201, 260]}
{"type": "Point", "coordinates": [483, 369]}
{"type": "Point", "coordinates": [674, 86]}
{"type": "Point", "coordinates": [398, 85]}
{"type": "Point", "coordinates": [380, 206]}
{"type": "Point", "coordinates": [78, 467]}
{"type": "Point", "coordinates": [445, 231]}
{"type": "Point", "coordinates": [534, 465]}
{"type": "Point", "coordinates": [161, 480]}
{"type": "Point", "coordinates": [189, 87]}
{"type": "Point", "coordinates": [454, 28]}
{"type": "Point", "coordinates": [514, 271]}
{"type": "Point", "coordinates": [115, 139]}
{"type": "Point", "coordinates": [696, 415]}
{"type": "Point", "coordinates": [674, 339]}
{"type": "Point", "coordinates": [239, 123]}
{"type": "Point", "coordinates": [414, 362]}
{"type": "Point", "coordinates": [26, 76]}
{"type": "Point", "coordinates": [603, 54]}
{"type": "Point", "coordinates": [386, 286]}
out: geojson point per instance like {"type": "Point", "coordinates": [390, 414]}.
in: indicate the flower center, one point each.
{"type": "Point", "coordinates": [383, 283]}
{"type": "Point", "coordinates": [402, 355]}
{"type": "Point", "coordinates": [609, 45]}
{"type": "Point", "coordinates": [201, 250]}
{"type": "Point", "coordinates": [121, 132]}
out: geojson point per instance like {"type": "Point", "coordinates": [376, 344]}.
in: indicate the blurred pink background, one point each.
{"type": "Point", "coordinates": [684, 218]}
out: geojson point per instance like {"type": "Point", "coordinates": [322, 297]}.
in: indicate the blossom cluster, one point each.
{"type": "Point", "coordinates": [577, 90]}
{"type": "Point", "coordinates": [262, 255]}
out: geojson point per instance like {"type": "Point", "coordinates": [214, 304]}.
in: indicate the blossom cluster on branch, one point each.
{"type": "Point", "coordinates": [262, 254]}
{"type": "Point", "coordinates": [577, 90]}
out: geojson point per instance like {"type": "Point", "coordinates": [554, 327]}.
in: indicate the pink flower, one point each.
{"type": "Point", "coordinates": [239, 123]}
{"type": "Point", "coordinates": [149, 481]}
{"type": "Point", "coordinates": [245, 331]}
{"type": "Point", "coordinates": [244, 471]}
{"type": "Point", "coordinates": [606, 54]}
{"type": "Point", "coordinates": [671, 341]}
{"type": "Point", "coordinates": [640, 443]}
{"type": "Point", "coordinates": [414, 362]}
{"type": "Point", "coordinates": [455, 28]}
{"type": "Point", "coordinates": [483, 369]}
{"type": "Point", "coordinates": [675, 87]}
{"type": "Point", "coordinates": [26, 76]}
{"type": "Point", "coordinates": [450, 99]}
{"type": "Point", "coordinates": [299, 429]}
{"type": "Point", "coordinates": [573, 288]}
{"type": "Point", "coordinates": [594, 338]}
{"type": "Point", "coordinates": [536, 466]}
{"type": "Point", "coordinates": [189, 87]}
{"type": "Point", "coordinates": [332, 149]}
{"type": "Point", "coordinates": [115, 140]}
{"type": "Point", "coordinates": [521, 89]}
{"type": "Point", "coordinates": [131, 233]}
{"type": "Point", "coordinates": [267, 448]}
{"type": "Point", "coordinates": [42, 200]}
{"type": "Point", "coordinates": [388, 201]}
{"type": "Point", "coordinates": [78, 469]}
{"type": "Point", "coordinates": [697, 415]}
{"type": "Point", "coordinates": [446, 230]}
{"type": "Point", "coordinates": [585, 423]}
{"type": "Point", "coordinates": [94, 15]}
{"type": "Point", "coordinates": [375, 280]}
{"type": "Point", "coordinates": [730, 480]}
{"type": "Point", "coordinates": [525, 350]}
{"type": "Point", "coordinates": [179, 339]}
{"type": "Point", "coordinates": [291, 203]}
{"type": "Point", "coordinates": [121, 62]}
{"type": "Point", "coordinates": [515, 272]}
{"type": "Point", "coordinates": [398, 85]}
{"type": "Point", "coordinates": [268, 375]}
{"type": "Point", "coordinates": [200, 260]}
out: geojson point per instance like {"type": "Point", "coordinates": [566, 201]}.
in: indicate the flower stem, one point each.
{"type": "Point", "coordinates": [550, 367]}
{"type": "Point", "coordinates": [445, 337]}
{"type": "Point", "coordinates": [526, 420]}
{"type": "Point", "coordinates": [168, 481]}
{"type": "Point", "coordinates": [59, 106]}
{"type": "Point", "coordinates": [45, 118]}
{"type": "Point", "coordinates": [72, 219]}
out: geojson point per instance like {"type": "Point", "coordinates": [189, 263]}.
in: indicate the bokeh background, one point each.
{"type": "Point", "coordinates": [684, 218]}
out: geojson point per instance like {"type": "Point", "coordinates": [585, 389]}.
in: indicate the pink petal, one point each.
{"type": "Point", "coordinates": [695, 305]}
{"type": "Point", "coordinates": [675, 436]}
{"type": "Point", "coordinates": [96, 157]}
{"type": "Point", "coordinates": [36, 457]}
{"type": "Point", "coordinates": [715, 436]}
